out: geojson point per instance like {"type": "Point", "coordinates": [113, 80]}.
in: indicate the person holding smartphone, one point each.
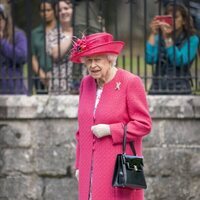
{"type": "Point", "coordinates": [171, 49]}
{"type": "Point", "coordinates": [13, 54]}
{"type": "Point", "coordinates": [192, 5]}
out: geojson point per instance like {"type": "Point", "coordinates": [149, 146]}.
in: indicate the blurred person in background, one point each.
{"type": "Point", "coordinates": [59, 42]}
{"type": "Point", "coordinates": [41, 61]}
{"type": "Point", "coordinates": [172, 51]}
{"type": "Point", "coordinates": [192, 5]}
{"type": "Point", "coordinates": [13, 54]}
{"type": "Point", "coordinates": [64, 78]}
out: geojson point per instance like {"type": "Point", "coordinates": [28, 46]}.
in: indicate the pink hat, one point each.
{"type": "Point", "coordinates": [95, 44]}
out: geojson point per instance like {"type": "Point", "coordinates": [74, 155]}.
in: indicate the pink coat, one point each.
{"type": "Point", "coordinates": [126, 104]}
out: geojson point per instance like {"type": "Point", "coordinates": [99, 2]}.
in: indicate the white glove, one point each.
{"type": "Point", "coordinates": [101, 130]}
{"type": "Point", "coordinates": [77, 174]}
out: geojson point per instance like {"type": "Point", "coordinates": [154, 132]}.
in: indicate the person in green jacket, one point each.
{"type": "Point", "coordinates": [41, 62]}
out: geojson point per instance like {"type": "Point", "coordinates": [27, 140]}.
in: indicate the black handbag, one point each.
{"type": "Point", "coordinates": [128, 171]}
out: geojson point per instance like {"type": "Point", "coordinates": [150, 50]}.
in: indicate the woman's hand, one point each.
{"type": "Point", "coordinates": [166, 29]}
{"type": "Point", "coordinates": [1, 34]}
{"type": "Point", "coordinates": [44, 77]}
{"type": "Point", "coordinates": [154, 26]}
{"type": "Point", "coordinates": [101, 130]}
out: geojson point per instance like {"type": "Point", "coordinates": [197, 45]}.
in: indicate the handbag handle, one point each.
{"type": "Point", "coordinates": [124, 143]}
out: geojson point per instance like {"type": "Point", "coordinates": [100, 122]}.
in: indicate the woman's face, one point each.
{"type": "Point", "coordinates": [46, 12]}
{"type": "Point", "coordinates": [98, 66]}
{"type": "Point", "coordinates": [65, 12]}
{"type": "Point", "coordinates": [2, 23]}
{"type": "Point", "coordinates": [179, 21]}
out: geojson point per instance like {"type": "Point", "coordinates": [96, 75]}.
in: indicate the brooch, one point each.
{"type": "Point", "coordinates": [118, 85]}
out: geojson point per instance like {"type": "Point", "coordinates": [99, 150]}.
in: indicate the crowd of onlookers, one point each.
{"type": "Point", "coordinates": [170, 49]}
{"type": "Point", "coordinates": [50, 60]}
{"type": "Point", "coordinates": [51, 43]}
{"type": "Point", "coordinates": [54, 71]}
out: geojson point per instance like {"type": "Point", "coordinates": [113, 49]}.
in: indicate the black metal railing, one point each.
{"type": "Point", "coordinates": [126, 20]}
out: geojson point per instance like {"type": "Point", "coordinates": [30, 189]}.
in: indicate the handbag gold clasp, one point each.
{"type": "Point", "coordinates": [132, 166]}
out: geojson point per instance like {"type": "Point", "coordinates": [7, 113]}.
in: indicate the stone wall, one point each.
{"type": "Point", "coordinates": [37, 148]}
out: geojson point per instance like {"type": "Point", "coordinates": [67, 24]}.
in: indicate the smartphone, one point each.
{"type": "Point", "coordinates": [165, 18]}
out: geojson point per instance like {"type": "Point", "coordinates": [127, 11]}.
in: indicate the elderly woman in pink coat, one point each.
{"type": "Point", "coordinates": [110, 98]}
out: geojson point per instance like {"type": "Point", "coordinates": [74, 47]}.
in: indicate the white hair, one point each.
{"type": "Point", "coordinates": [83, 59]}
{"type": "Point", "coordinates": [111, 58]}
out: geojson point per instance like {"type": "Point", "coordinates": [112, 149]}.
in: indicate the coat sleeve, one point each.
{"type": "Point", "coordinates": [139, 123]}
{"type": "Point", "coordinates": [185, 54]}
{"type": "Point", "coordinates": [17, 51]}
{"type": "Point", "coordinates": [77, 151]}
{"type": "Point", "coordinates": [77, 135]}
{"type": "Point", "coordinates": [151, 52]}
{"type": "Point", "coordinates": [151, 55]}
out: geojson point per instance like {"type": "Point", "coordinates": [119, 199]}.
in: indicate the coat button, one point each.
{"type": "Point", "coordinates": [93, 147]}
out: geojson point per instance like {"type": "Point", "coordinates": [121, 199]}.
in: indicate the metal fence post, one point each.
{"type": "Point", "coordinates": [29, 27]}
